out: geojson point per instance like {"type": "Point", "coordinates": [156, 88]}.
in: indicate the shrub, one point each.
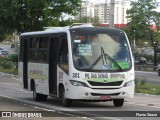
{"type": "Point", "coordinates": [7, 64]}
{"type": "Point", "coordinates": [13, 57]}
{"type": "Point", "coordinates": [138, 85]}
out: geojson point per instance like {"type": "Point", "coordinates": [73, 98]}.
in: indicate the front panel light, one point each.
{"type": "Point", "coordinates": [130, 83]}
{"type": "Point", "coordinates": [77, 83]}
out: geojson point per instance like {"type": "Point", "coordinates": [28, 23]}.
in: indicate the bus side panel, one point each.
{"type": "Point", "coordinates": [62, 78]}
{"type": "Point", "coordinates": [39, 73]}
{"type": "Point", "coordinates": [20, 74]}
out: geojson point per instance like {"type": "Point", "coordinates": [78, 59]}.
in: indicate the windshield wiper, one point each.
{"type": "Point", "coordinates": [103, 54]}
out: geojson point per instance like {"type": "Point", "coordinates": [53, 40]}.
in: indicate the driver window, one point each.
{"type": "Point", "coordinates": [63, 54]}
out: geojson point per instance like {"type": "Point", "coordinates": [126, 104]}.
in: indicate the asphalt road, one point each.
{"type": "Point", "coordinates": [10, 88]}
{"type": "Point", "coordinates": [14, 110]}
{"type": "Point", "coordinates": [15, 101]}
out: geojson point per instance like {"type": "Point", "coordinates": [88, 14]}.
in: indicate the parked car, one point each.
{"type": "Point", "coordinates": [143, 60]}
{"type": "Point", "coordinates": [1, 49]}
{"type": "Point", "coordinates": [159, 70]}
{"type": "Point", "coordinates": [4, 53]}
{"type": "Point", "coordinates": [140, 61]}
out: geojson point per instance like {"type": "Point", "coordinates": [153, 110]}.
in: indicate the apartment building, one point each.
{"type": "Point", "coordinates": [101, 11]}
{"type": "Point", "coordinates": [86, 10]}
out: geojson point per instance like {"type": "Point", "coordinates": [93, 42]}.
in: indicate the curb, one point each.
{"type": "Point", "coordinates": [12, 75]}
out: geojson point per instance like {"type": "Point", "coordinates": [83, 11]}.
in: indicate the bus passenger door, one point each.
{"type": "Point", "coordinates": [25, 62]}
{"type": "Point", "coordinates": [53, 54]}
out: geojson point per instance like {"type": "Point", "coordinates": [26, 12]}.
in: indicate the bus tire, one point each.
{"type": "Point", "coordinates": [44, 97]}
{"type": "Point", "coordinates": [66, 102]}
{"type": "Point", "coordinates": [38, 96]}
{"type": "Point", "coordinates": [118, 102]}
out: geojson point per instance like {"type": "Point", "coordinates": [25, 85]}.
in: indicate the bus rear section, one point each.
{"type": "Point", "coordinates": [80, 64]}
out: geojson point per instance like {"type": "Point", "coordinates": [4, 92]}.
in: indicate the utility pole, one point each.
{"type": "Point", "coordinates": [111, 21]}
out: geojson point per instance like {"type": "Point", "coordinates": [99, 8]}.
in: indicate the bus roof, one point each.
{"type": "Point", "coordinates": [50, 30]}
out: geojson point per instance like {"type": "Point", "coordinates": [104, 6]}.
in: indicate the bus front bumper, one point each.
{"type": "Point", "coordinates": [86, 93]}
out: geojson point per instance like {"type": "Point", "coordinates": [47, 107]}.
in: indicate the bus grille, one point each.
{"type": "Point", "coordinates": [117, 83]}
{"type": "Point", "coordinates": [97, 94]}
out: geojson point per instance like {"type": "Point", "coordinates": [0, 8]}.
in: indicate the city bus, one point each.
{"type": "Point", "coordinates": [77, 63]}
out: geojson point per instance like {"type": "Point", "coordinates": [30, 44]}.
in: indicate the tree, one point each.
{"type": "Point", "coordinates": [145, 21]}
{"type": "Point", "coordinates": [32, 15]}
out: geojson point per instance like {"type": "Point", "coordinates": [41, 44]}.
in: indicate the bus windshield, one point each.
{"type": "Point", "coordinates": [100, 49]}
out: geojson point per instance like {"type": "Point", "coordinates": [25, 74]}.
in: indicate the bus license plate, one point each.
{"type": "Point", "coordinates": [105, 97]}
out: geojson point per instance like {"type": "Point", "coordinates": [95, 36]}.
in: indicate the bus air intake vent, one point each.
{"type": "Point", "coordinates": [97, 94]}
{"type": "Point", "coordinates": [117, 83]}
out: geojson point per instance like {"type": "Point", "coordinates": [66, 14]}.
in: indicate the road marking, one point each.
{"type": "Point", "coordinates": [27, 103]}
{"type": "Point", "coordinates": [57, 110]}
{"type": "Point", "coordinates": [15, 78]}
{"type": "Point", "coordinates": [43, 108]}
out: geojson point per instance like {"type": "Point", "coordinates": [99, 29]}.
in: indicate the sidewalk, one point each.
{"type": "Point", "coordinates": [145, 100]}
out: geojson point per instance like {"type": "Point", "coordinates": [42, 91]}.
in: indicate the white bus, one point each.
{"type": "Point", "coordinates": [83, 63]}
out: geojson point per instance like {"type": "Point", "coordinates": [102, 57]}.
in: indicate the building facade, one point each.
{"type": "Point", "coordinates": [86, 10]}
{"type": "Point", "coordinates": [101, 11]}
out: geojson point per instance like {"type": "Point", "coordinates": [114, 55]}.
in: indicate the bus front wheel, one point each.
{"type": "Point", "coordinates": [118, 102]}
{"type": "Point", "coordinates": [66, 102]}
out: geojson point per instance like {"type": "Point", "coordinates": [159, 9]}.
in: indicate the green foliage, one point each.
{"type": "Point", "coordinates": [142, 16]}
{"type": "Point", "coordinates": [138, 85]}
{"type": "Point", "coordinates": [13, 57]}
{"type": "Point", "coordinates": [143, 87]}
{"type": "Point", "coordinates": [9, 62]}
{"type": "Point", "coordinates": [5, 63]}
{"type": "Point", "coordinates": [33, 15]}
{"type": "Point", "coordinates": [8, 65]}
{"type": "Point", "coordinates": [9, 71]}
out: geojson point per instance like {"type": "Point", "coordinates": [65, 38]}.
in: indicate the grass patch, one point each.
{"type": "Point", "coordinates": [142, 86]}
{"type": "Point", "coordinates": [13, 71]}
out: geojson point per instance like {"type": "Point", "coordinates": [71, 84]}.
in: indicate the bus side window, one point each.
{"type": "Point", "coordinates": [33, 49]}
{"type": "Point", "coordinates": [43, 49]}
{"type": "Point", "coordinates": [63, 54]}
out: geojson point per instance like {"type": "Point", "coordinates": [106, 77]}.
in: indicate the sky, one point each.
{"type": "Point", "coordinates": [158, 9]}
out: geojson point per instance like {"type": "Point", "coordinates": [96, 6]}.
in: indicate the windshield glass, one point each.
{"type": "Point", "coordinates": [100, 49]}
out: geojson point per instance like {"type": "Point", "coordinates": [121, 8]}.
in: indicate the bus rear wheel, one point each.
{"type": "Point", "coordinates": [65, 101]}
{"type": "Point", "coordinates": [118, 102]}
{"type": "Point", "coordinates": [38, 96]}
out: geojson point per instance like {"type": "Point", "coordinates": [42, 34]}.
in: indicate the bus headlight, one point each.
{"type": "Point", "coordinates": [130, 83]}
{"type": "Point", "coordinates": [77, 83]}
